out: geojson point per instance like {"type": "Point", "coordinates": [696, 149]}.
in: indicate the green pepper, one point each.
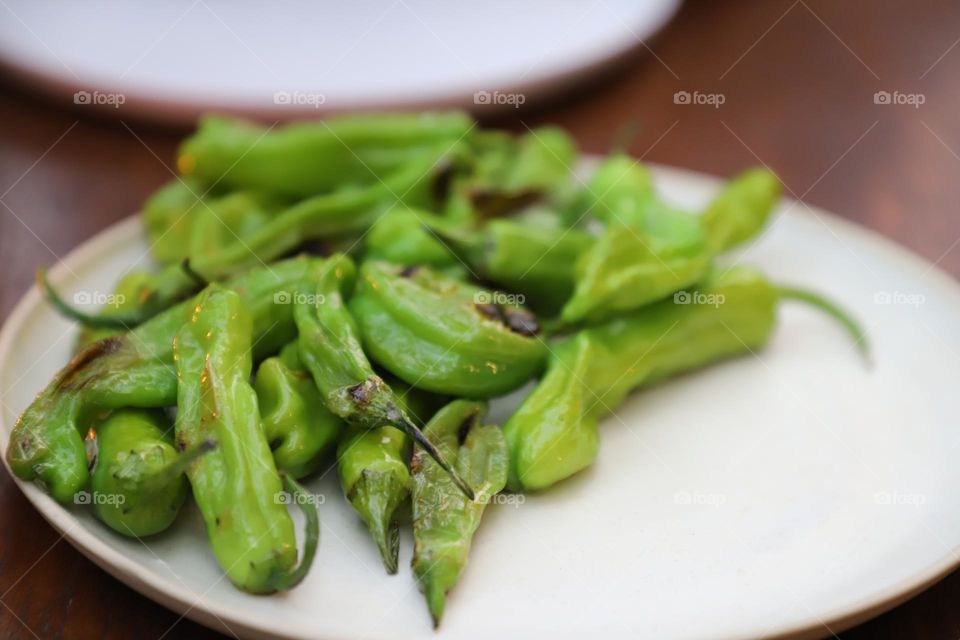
{"type": "Point", "coordinates": [741, 209]}
{"type": "Point", "coordinates": [330, 350]}
{"type": "Point", "coordinates": [350, 209]}
{"type": "Point", "coordinates": [535, 260]}
{"type": "Point", "coordinates": [398, 236]}
{"type": "Point", "coordinates": [134, 369]}
{"type": "Point", "coordinates": [309, 158]}
{"type": "Point", "coordinates": [443, 335]}
{"type": "Point", "coordinates": [372, 465]}
{"type": "Point", "coordinates": [227, 220]}
{"type": "Point", "coordinates": [125, 301]}
{"type": "Point", "coordinates": [373, 472]}
{"type": "Point", "coordinates": [236, 487]}
{"type": "Point", "coordinates": [138, 482]}
{"type": "Point", "coordinates": [506, 174]}
{"type": "Point", "coordinates": [443, 520]}
{"type": "Point", "coordinates": [626, 269]}
{"type": "Point", "coordinates": [168, 216]}
{"type": "Point", "coordinates": [299, 427]}
{"type": "Point", "coordinates": [649, 250]}
{"type": "Point", "coordinates": [552, 435]}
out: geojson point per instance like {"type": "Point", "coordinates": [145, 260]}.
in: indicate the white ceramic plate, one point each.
{"type": "Point", "coordinates": [769, 495]}
{"type": "Point", "coordinates": [175, 60]}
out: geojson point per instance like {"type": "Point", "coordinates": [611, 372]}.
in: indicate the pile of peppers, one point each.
{"type": "Point", "coordinates": [354, 292]}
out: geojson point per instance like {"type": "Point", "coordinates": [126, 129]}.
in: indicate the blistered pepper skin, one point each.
{"type": "Point", "coordinates": [236, 487]}
{"type": "Point", "coordinates": [432, 331]}
{"type": "Point", "coordinates": [443, 520]}
{"type": "Point", "coordinates": [330, 349]}
{"type": "Point", "coordinates": [133, 370]}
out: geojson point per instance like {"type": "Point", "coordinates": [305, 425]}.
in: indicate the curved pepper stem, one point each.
{"type": "Point", "coordinates": [312, 540]}
{"type": "Point", "coordinates": [91, 320]}
{"type": "Point", "coordinates": [417, 436]}
{"type": "Point", "coordinates": [818, 301]}
{"type": "Point", "coordinates": [179, 466]}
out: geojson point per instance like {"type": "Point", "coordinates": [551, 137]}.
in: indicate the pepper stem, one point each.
{"type": "Point", "coordinates": [178, 466]}
{"type": "Point", "coordinates": [818, 301]}
{"type": "Point", "coordinates": [411, 430]}
{"type": "Point", "coordinates": [91, 320]}
{"type": "Point", "coordinates": [312, 541]}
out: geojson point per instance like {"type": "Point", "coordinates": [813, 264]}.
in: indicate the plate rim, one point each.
{"type": "Point", "coordinates": [215, 615]}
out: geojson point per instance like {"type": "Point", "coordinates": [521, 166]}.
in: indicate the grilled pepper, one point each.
{"type": "Point", "coordinates": [552, 435]}
{"type": "Point", "coordinates": [299, 427]}
{"type": "Point", "coordinates": [134, 369]}
{"type": "Point", "coordinates": [443, 521]}
{"type": "Point", "coordinates": [138, 483]}
{"type": "Point", "coordinates": [331, 351]}
{"type": "Point", "coordinates": [372, 465]}
{"type": "Point", "coordinates": [443, 335]}
{"type": "Point", "coordinates": [236, 487]}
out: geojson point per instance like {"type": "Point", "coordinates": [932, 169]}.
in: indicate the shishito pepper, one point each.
{"type": "Point", "coordinates": [134, 369]}
{"type": "Point", "coordinates": [299, 427]}
{"type": "Point", "coordinates": [553, 433]}
{"type": "Point", "coordinates": [236, 487]}
{"type": "Point", "coordinates": [138, 482]}
{"type": "Point", "coordinates": [372, 465]}
{"type": "Point", "coordinates": [535, 260]}
{"type": "Point", "coordinates": [649, 250]}
{"type": "Point", "coordinates": [305, 159]}
{"type": "Point", "coordinates": [399, 236]}
{"type": "Point", "coordinates": [443, 520]}
{"type": "Point", "coordinates": [351, 209]}
{"type": "Point", "coordinates": [331, 351]}
{"type": "Point", "coordinates": [505, 173]}
{"type": "Point", "coordinates": [443, 335]}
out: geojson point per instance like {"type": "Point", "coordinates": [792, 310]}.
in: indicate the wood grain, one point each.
{"type": "Point", "coordinates": [798, 79]}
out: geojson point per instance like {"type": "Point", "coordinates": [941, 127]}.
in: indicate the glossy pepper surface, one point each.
{"type": "Point", "coordinates": [372, 465]}
{"type": "Point", "coordinates": [134, 369]}
{"type": "Point", "coordinates": [236, 487]}
{"type": "Point", "coordinates": [299, 427]}
{"type": "Point", "coordinates": [443, 520]}
{"type": "Point", "coordinates": [330, 349]}
{"type": "Point", "coordinates": [138, 482]}
{"type": "Point", "coordinates": [443, 335]}
{"type": "Point", "coordinates": [552, 435]}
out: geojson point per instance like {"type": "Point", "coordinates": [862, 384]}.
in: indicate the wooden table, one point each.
{"type": "Point", "coordinates": [798, 79]}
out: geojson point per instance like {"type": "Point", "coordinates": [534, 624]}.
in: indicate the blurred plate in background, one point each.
{"type": "Point", "coordinates": [174, 60]}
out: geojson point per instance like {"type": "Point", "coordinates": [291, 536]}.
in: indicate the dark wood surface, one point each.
{"type": "Point", "coordinates": [798, 79]}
